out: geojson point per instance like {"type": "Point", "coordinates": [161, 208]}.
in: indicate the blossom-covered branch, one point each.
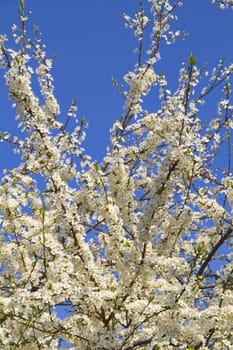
{"type": "Point", "coordinates": [137, 249]}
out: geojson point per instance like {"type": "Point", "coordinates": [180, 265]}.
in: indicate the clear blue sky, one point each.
{"type": "Point", "coordinates": [92, 45]}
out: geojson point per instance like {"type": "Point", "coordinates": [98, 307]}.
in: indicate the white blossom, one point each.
{"type": "Point", "coordinates": [136, 249]}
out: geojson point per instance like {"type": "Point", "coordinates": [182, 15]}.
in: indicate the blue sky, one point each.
{"type": "Point", "coordinates": [91, 45]}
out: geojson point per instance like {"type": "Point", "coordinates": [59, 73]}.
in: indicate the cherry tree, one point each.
{"type": "Point", "coordinates": [138, 247]}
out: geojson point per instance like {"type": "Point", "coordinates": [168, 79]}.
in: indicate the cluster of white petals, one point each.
{"type": "Point", "coordinates": [139, 85]}
{"type": "Point", "coordinates": [134, 252]}
{"type": "Point", "coordinates": [224, 4]}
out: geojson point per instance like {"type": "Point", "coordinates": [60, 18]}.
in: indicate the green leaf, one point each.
{"type": "Point", "coordinates": [82, 120]}
{"type": "Point", "coordinates": [192, 60]}
{"type": "Point", "coordinates": [228, 89]}
{"type": "Point", "coordinates": [43, 208]}
{"type": "Point", "coordinates": [96, 165]}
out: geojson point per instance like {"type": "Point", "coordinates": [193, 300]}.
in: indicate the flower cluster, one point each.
{"type": "Point", "coordinates": [224, 4]}
{"type": "Point", "coordinates": [137, 249]}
